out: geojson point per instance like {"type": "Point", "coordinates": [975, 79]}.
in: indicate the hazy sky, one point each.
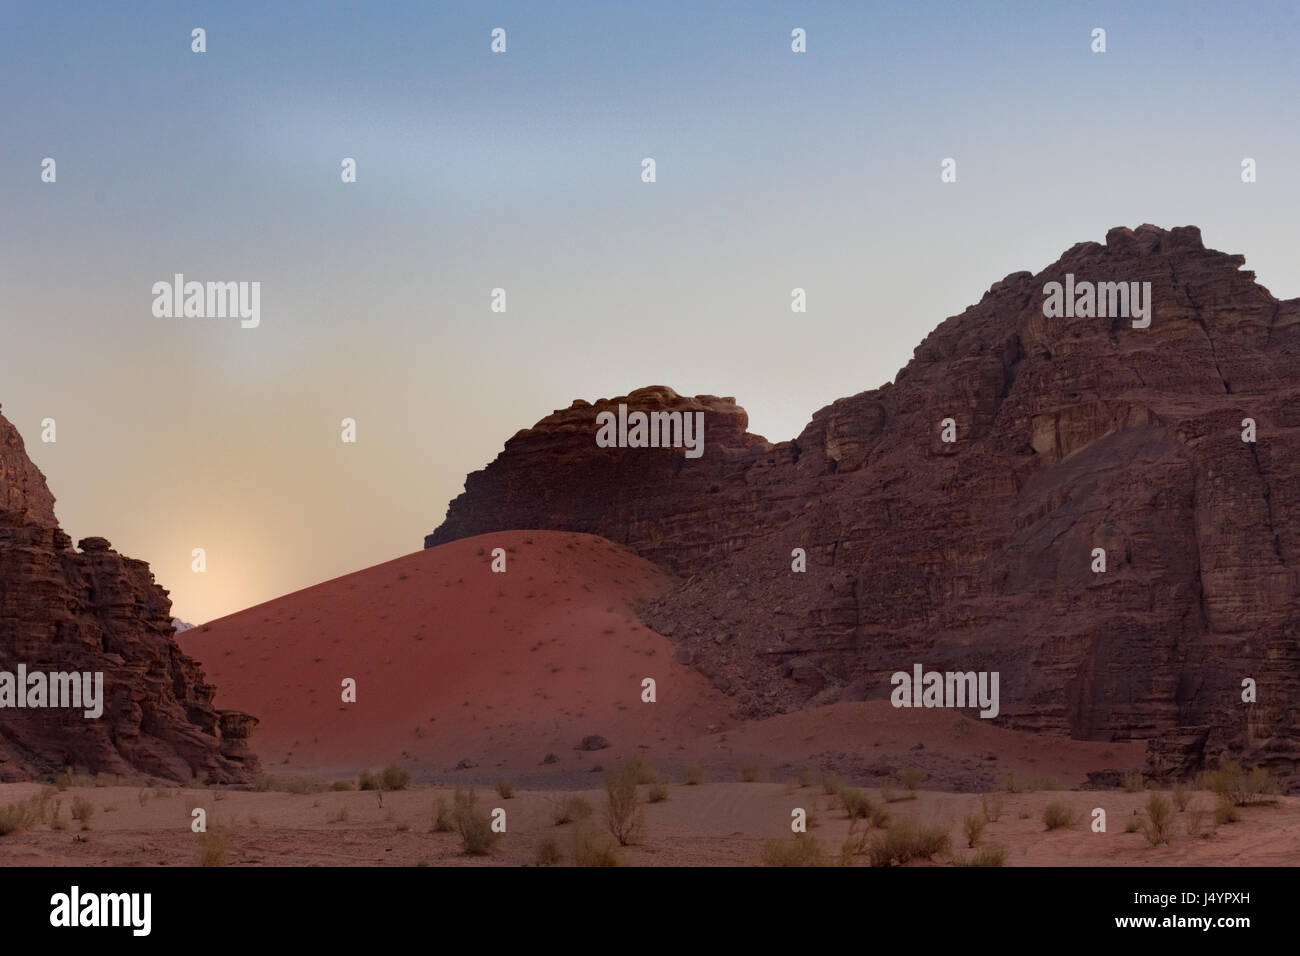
{"type": "Point", "coordinates": [522, 170]}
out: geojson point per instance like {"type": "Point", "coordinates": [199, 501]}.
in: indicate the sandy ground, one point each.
{"type": "Point", "coordinates": [712, 824]}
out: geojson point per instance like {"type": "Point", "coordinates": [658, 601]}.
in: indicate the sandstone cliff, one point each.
{"type": "Point", "coordinates": [1072, 434]}
{"type": "Point", "coordinates": [95, 610]}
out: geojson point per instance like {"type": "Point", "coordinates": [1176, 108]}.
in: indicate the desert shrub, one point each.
{"type": "Point", "coordinates": [1195, 821]}
{"type": "Point", "coordinates": [907, 840]}
{"type": "Point", "coordinates": [15, 817]}
{"type": "Point", "coordinates": [658, 792]}
{"type": "Point", "coordinates": [1157, 825]}
{"type": "Point", "coordinates": [473, 823]}
{"type": "Point", "coordinates": [1057, 815]}
{"type": "Point", "coordinates": [570, 809]}
{"type": "Point", "coordinates": [395, 777]}
{"type": "Point", "coordinates": [1133, 782]}
{"type": "Point", "coordinates": [890, 795]}
{"type": "Point", "coordinates": [802, 850]}
{"type": "Point", "coordinates": [623, 815]}
{"type": "Point", "coordinates": [142, 797]}
{"type": "Point", "coordinates": [548, 851]}
{"type": "Point", "coordinates": [912, 778]}
{"type": "Point", "coordinates": [1010, 784]}
{"type": "Point", "coordinates": [991, 803]}
{"type": "Point", "coordinates": [857, 803]}
{"type": "Point", "coordinates": [1046, 783]}
{"type": "Point", "coordinates": [1133, 825]}
{"type": "Point", "coordinates": [442, 819]}
{"type": "Point", "coordinates": [1181, 797]}
{"type": "Point", "coordinates": [213, 850]}
{"type": "Point", "coordinates": [82, 811]}
{"type": "Point", "coordinates": [593, 849]}
{"type": "Point", "coordinates": [641, 771]}
{"type": "Point", "coordinates": [369, 781]}
{"type": "Point", "coordinates": [694, 775]}
{"type": "Point", "coordinates": [1225, 811]}
{"type": "Point", "coordinates": [56, 821]}
{"type": "Point", "coordinates": [263, 782]}
{"type": "Point", "coordinates": [1242, 787]}
{"type": "Point", "coordinates": [752, 773]}
{"type": "Point", "coordinates": [808, 777]}
{"type": "Point", "coordinates": [341, 785]}
{"type": "Point", "coordinates": [985, 856]}
{"type": "Point", "coordinates": [974, 825]}
{"type": "Point", "coordinates": [830, 783]}
{"type": "Point", "coordinates": [340, 817]}
{"type": "Point", "coordinates": [297, 785]}
{"type": "Point", "coordinates": [506, 788]}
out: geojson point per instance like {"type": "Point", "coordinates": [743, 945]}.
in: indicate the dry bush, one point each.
{"type": "Point", "coordinates": [1009, 783]}
{"type": "Point", "coordinates": [548, 851]}
{"type": "Point", "coordinates": [694, 775]}
{"type": "Point", "coordinates": [1242, 787]}
{"type": "Point", "coordinates": [1196, 822]}
{"type": "Point", "coordinates": [974, 825]}
{"type": "Point", "coordinates": [657, 793]}
{"type": "Point", "coordinates": [908, 840]}
{"type": "Point", "coordinates": [623, 814]}
{"type": "Point", "coordinates": [1046, 783]}
{"type": "Point", "coordinates": [1134, 824]}
{"type": "Point", "coordinates": [1133, 782]}
{"type": "Point", "coordinates": [593, 849]}
{"type": "Point", "coordinates": [473, 823]}
{"type": "Point", "coordinates": [572, 808]}
{"type": "Point", "coordinates": [142, 797]}
{"type": "Point", "coordinates": [830, 783]}
{"type": "Point", "coordinates": [985, 856]}
{"type": "Point", "coordinates": [857, 803]}
{"type": "Point", "coordinates": [340, 817]}
{"type": "Point", "coordinates": [1225, 811]}
{"type": "Point", "coordinates": [1057, 815]}
{"type": "Point", "coordinates": [641, 771]}
{"type": "Point", "coordinates": [802, 850]}
{"type": "Point", "coordinates": [369, 781]}
{"type": "Point", "coordinates": [82, 811]}
{"type": "Point", "coordinates": [808, 777]}
{"type": "Point", "coordinates": [991, 803]}
{"type": "Point", "coordinates": [912, 778]}
{"type": "Point", "coordinates": [1181, 797]}
{"type": "Point", "coordinates": [395, 777]}
{"type": "Point", "coordinates": [213, 850]}
{"type": "Point", "coordinates": [1157, 825]}
{"type": "Point", "coordinates": [752, 773]}
{"type": "Point", "coordinates": [341, 785]}
{"type": "Point", "coordinates": [506, 788]}
{"type": "Point", "coordinates": [442, 821]}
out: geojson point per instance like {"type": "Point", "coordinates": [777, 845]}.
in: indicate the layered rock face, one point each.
{"type": "Point", "coordinates": [1072, 434]}
{"type": "Point", "coordinates": [93, 610]}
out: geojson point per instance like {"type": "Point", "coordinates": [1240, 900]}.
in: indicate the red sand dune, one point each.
{"type": "Point", "coordinates": [453, 661]}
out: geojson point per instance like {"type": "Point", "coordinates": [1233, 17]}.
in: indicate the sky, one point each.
{"type": "Point", "coordinates": [522, 170]}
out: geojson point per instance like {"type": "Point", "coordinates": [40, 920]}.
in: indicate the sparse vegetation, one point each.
{"type": "Point", "coordinates": [623, 815]}
{"type": "Point", "coordinates": [548, 851]}
{"type": "Point", "coordinates": [912, 778]}
{"type": "Point", "coordinates": [570, 809]}
{"type": "Point", "coordinates": [1133, 782]}
{"type": "Point", "coordinates": [395, 777]}
{"type": "Point", "coordinates": [1057, 815]}
{"type": "Point", "coordinates": [857, 803]}
{"type": "Point", "coordinates": [657, 793]}
{"type": "Point", "coordinates": [907, 840]}
{"type": "Point", "coordinates": [593, 849]}
{"type": "Point", "coordinates": [830, 783]}
{"type": "Point", "coordinates": [985, 856]}
{"type": "Point", "coordinates": [752, 773]}
{"type": "Point", "coordinates": [1241, 787]}
{"type": "Point", "coordinates": [506, 789]}
{"type": "Point", "coordinates": [1157, 825]}
{"type": "Point", "coordinates": [694, 775]}
{"type": "Point", "coordinates": [442, 821]}
{"type": "Point", "coordinates": [802, 850]}
{"type": "Point", "coordinates": [82, 811]}
{"type": "Point", "coordinates": [1181, 797]}
{"type": "Point", "coordinates": [1196, 822]}
{"type": "Point", "coordinates": [1225, 811]}
{"type": "Point", "coordinates": [213, 850]}
{"type": "Point", "coordinates": [974, 825]}
{"type": "Point", "coordinates": [340, 817]}
{"type": "Point", "coordinates": [473, 823]}
{"type": "Point", "coordinates": [991, 803]}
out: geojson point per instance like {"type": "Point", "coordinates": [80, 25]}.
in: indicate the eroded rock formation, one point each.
{"type": "Point", "coordinates": [94, 610]}
{"type": "Point", "coordinates": [1072, 434]}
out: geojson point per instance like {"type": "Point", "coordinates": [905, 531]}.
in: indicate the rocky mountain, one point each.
{"type": "Point", "coordinates": [93, 610]}
{"type": "Point", "coordinates": [1072, 433]}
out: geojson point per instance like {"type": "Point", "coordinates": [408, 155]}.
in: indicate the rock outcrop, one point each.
{"type": "Point", "coordinates": [94, 610]}
{"type": "Point", "coordinates": [1072, 434]}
